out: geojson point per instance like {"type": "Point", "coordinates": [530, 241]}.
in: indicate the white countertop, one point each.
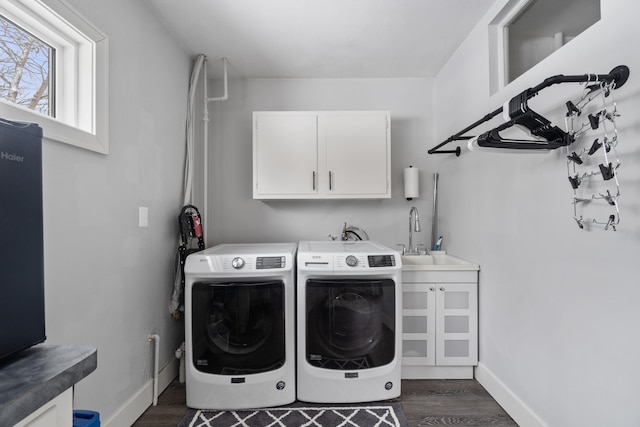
{"type": "Point", "coordinates": [436, 261]}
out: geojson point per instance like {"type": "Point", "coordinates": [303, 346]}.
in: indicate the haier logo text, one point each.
{"type": "Point", "coordinates": [13, 157]}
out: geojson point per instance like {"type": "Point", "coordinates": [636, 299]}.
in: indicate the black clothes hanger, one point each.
{"type": "Point", "coordinates": [548, 136]}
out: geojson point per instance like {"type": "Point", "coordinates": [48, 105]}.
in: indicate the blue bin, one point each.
{"type": "Point", "coordinates": [86, 419]}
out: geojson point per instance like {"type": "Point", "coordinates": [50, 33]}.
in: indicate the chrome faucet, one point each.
{"type": "Point", "coordinates": [413, 250]}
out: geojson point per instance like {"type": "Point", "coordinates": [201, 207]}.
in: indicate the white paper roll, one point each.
{"type": "Point", "coordinates": [411, 182]}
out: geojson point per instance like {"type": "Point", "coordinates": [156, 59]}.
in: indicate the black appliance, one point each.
{"type": "Point", "coordinates": [22, 316]}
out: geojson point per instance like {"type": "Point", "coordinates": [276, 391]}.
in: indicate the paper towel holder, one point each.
{"type": "Point", "coordinates": [411, 183]}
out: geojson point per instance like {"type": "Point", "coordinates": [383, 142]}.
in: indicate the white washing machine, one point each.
{"type": "Point", "coordinates": [348, 322]}
{"type": "Point", "coordinates": [240, 326]}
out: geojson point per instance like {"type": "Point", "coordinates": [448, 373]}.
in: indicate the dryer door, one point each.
{"type": "Point", "coordinates": [350, 323]}
{"type": "Point", "coordinates": [238, 327]}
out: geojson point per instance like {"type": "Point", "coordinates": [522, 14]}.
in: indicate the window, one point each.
{"type": "Point", "coordinates": [25, 62]}
{"type": "Point", "coordinates": [527, 31]}
{"type": "Point", "coordinates": [59, 72]}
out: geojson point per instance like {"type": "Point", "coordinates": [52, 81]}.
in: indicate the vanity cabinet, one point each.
{"type": "Point", "coordinates": [439, 324]}
{"type": "Point", "coordinates": [36, 386]}
{"type": "Point", "coordinates": [321, 155]}
{"type": "Point", "coordinates": [58, 412]}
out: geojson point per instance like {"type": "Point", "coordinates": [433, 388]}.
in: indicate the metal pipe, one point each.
{"type": "Point", "coordinates": [205, 155]}
{"type": "Point", "coordinates": [434, 217]}
{"type": "Point", "coordinates": [156, 356]}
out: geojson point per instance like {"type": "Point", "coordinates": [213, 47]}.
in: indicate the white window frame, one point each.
{"type": "Point", "coordinates": [81, 93]}
{"type": "Point", "coordinates": [499, 43]}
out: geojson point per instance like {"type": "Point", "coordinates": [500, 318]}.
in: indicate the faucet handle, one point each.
{"type": "Point", "coordinates": [404, 248]}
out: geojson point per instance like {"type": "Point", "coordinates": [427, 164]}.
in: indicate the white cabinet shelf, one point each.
{"type": "Point", "coordinates": [321, 155]}
{"type": "Point", "coordinates": [439, 324]}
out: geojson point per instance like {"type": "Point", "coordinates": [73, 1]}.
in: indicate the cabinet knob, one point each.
{"type": "Point", "coordinates": [432, 289]}
{"type": "Point", "coordinates": [442, 288]}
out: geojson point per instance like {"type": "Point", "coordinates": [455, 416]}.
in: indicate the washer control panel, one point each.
{"type": "Point", "coordinates": [346, 262]}
{"type": "Point", "coordinates": [268, 262]}
{"type": "Point", "coordinates": [381, 261]}
{"type": "Point", "coordinates": [242, 263]}
{"type": "Point", "coordinates": [347, 257]}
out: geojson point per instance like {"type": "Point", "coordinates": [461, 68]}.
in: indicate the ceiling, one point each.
{"type": "Point", "coordinates": [322, 38]}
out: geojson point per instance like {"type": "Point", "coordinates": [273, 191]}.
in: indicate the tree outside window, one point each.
{"type": "Point", "coordinates": [25, 63]}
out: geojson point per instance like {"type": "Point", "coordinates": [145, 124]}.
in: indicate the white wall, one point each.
{"type": "Point", "coordinates": [235, 217]}
{"type": "Point", "coordinates": [108, 282]}
{"type": "Point", "coordinates": [558, 305]}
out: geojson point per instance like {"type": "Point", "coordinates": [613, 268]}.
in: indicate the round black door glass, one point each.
{"type": "Point", "coordinates": [238, 328]}
{"type": "Point", "coordinates": [350, 324]}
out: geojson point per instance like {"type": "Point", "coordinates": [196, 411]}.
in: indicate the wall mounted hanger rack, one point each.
{"type": "Point", "coordinates": [517, 112]}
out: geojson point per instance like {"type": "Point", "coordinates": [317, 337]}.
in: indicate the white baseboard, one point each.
{"type": "Point", "coordinates": [128, 413]}
{"type": "Point", "coordinates": [516, 408]}
{"type": "Point", "coordinates": [437, 372]}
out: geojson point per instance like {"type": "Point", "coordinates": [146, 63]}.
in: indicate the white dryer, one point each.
{"type": "Point", "coordinates": [240, 326]}
{"type": "Point", "coordinates": [348, 321]}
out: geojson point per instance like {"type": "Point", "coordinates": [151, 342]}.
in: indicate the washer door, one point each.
{"type": "Point", "coordinates": [238, 328]}
{"type": "Point", "coordinates": [350, 323]}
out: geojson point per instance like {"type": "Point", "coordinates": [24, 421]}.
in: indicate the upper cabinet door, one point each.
{"type": "Point", "coordinates": [357, 150]}
{"type": "Point", "coordinates": [321, 155]}
{"type": "Point", "coordinates": [285, 154]}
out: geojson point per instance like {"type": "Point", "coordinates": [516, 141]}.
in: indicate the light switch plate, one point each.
{"type": "Point", "coordinates": [143, 217]}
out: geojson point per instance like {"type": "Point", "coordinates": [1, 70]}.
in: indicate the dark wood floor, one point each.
{"type": "Point", "coordinates": [425, 403]}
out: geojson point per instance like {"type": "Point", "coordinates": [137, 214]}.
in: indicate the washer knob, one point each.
{"type": "Point", "coordinates": [352, 261]}
{"type": "Point", "coordinates": [237, 263]}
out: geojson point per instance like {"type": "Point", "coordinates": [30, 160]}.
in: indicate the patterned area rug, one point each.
{"type": "Point", "coordinates": [301, 415]}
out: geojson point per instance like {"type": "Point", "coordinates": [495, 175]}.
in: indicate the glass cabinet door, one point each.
{"type": "Point", "coordinates": [456, 324]}
{"type": "Point", "coordinates": [418, 324]}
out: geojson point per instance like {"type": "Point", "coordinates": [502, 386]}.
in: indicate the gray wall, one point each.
{"type": "Point", "coordinates": [108, 283]}
{"type": "Point", "coordinates": [558, 305]}
{"type": "Point", "coordinates": [235, 217]}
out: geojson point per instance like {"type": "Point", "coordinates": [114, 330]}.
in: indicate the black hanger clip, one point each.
{"type": "Point", "coordinates": [606, 171]}
{"type": "Point", "coordinates": [610, 223]}
{"type": "Point", "coordinates": [609, 198]}
{"type": "Point", "coordinates": [595, 147]}
{"type": "Point", "coordinates": [575, 181]}
{"type": "Point", "coordinates": [594, 121]}
{"type": "Point", "coordinates": [571, 107]}
{"type": "Point", "coordinates": [575, 158]}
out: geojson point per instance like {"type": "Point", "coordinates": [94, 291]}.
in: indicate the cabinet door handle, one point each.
{"type": "Point", "coordinates": [442, 289]}
{"type": "Point", "coordinates": [432, 289]}
{"type": "Point", "coordinates": [313, 181]}
{"type": "Point", "coordinates": [330, 180]}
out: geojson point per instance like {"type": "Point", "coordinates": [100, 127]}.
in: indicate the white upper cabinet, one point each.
{"type": "Point", "coordinates": [321, 155]}
{"type": "Point", "coordinates": [285, 155]}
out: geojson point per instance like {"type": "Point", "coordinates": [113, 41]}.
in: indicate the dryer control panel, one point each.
{"type": "Point", "coordinates": [251, 263]}
{"type": "Point", "coordinates": [244, 262]}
